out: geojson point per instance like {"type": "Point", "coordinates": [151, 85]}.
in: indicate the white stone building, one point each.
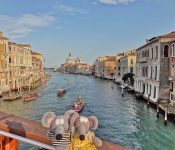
{"type": "Point", "coordinates": [152, 66]}
{"type": "Point", "coordinates": [99, 69]}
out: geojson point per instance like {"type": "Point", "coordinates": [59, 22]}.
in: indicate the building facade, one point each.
{"type": "Point", "coordinates": [117, 73]}
{"type": "Point", "coordinates": [172, 71]}
{"type": "Point", "coordinates": [109, 67]}
{"type": "Point", "coordinates": [20, 65]}
{"type": "Point", "coordinates": [99, 66]}
{"type": "Point", "coordinates": [17, 65]}
{"type": "Point", "coordinates": [126, 64]}
{"type": "Point", "coordinates": [4, 64]}
{"type": "Point", "coordinates": [153, 67]}
{"type": "Point", "coordinates": [37, 73]}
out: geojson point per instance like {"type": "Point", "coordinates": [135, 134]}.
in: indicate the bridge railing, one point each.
{"type": "Point", "coordinates": [14, 128]}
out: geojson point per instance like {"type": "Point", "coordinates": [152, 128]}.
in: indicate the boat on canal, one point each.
{"type": "Point", "coordinates": [12, 97]}
{"type": "Point", "coordinates": [78, 105]}
{"type": "Point", "coordinates": [61, 92]}
{"type": "Point", "coordinates": [30, 96]}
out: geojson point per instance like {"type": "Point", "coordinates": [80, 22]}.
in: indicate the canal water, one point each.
{"type": "Point", "coordinates": [124, 121]}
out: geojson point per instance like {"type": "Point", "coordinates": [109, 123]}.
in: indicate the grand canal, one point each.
{"type": "Point", "coordinates": [124, 121]}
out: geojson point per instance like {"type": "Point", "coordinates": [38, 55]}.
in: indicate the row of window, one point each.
{"type": "Point", "coordinates": [151, 54]}
{"type": "Point", "coordinates": [19, 50]}
{"type": "Point", "coordinates": [144, 72]}
{"type": "Point", "coordinates": [147, 88]}
{"type": "Point", "coordinates": [148, 53]}
{"type": "Point", "coordinates": [124, 69]}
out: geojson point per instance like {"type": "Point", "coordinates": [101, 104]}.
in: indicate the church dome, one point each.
{"type": "Point", "coordinates": [70, 59]}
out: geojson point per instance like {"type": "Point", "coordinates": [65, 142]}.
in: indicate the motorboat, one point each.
{"type": "Point", "coordinates": [61, 92]}
{"type": "Point", "coordinates": [30, 96]}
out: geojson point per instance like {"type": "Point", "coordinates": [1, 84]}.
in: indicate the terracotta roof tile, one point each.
{"type": "Point", "coordinates": [169, 35]}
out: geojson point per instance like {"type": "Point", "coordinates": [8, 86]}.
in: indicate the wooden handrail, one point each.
{"type": "Point", "coordinates": [35, 131]}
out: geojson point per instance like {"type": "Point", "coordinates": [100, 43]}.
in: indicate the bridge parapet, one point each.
{"type": "Point", "coordinates": [14, 128]}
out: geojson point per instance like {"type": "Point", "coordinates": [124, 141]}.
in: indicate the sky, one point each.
{"type": "Point", "coordinates": [85, 28]}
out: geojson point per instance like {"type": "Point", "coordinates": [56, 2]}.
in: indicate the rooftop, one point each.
{"type": "Point", "coordinates": [35, 53]}
{"type": "Point", "coordinates": [156, 38]}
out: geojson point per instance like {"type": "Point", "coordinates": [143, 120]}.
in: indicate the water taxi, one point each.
{"type": "Point", "coordinates": [30, 96]}
{"type": "Point", "coordinates": [61, 92]}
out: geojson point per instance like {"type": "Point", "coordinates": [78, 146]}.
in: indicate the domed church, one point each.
{"type": "Point", "coordinates": [70, 59]}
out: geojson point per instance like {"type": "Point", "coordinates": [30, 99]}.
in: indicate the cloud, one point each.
{"type": "Point", "coordinates": [114, 2]}
{"type": "Point", "coordinates": [25, 24]}
{"type": "Point", "coordinates": [70, 10]}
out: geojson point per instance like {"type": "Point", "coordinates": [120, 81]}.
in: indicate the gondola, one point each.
{"type": "Point", "coordinates": [61, 92]}
{"type": "Point", "coordinates": [78, 105]}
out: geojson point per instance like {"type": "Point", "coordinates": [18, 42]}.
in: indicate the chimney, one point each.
{"type": "Point", "coordinates": [147, 41]}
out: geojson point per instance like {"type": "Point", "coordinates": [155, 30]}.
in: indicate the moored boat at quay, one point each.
{"type": "Point", "coordinates": [12, 97]}
{"type": "Point", "coordinates": [30, 96]}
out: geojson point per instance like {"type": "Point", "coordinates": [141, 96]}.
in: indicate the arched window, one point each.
{"type": "Point", "coordinates": [156, 51]}
{"type": "Point", "coordinates": [150, 89]}
{"type": "Point", "coordinates": [171, 51]}
{"type": "Point", "coordinates": [148, 53]}
{"type": "Point", "coordinates": [166, 48]}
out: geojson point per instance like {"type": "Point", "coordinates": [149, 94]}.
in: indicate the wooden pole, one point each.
{"type": "Point", "coordinates": [148, 101]}
{"type": "Point", "coordinates": [157, 110]}
{"type": "Point", "coordinates": [166, 116]}
{"type": "Point", "coordinates": [122, 88]}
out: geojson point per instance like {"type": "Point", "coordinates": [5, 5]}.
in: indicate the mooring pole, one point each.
{"type": "Point", "coordinates": [166, 116]}
{"type": "Point", "coordinates": [157, 109]}
{"type": "Point", "coordinates": [122, 88]}
{"type": "Point", "coordinates": [148, 101]}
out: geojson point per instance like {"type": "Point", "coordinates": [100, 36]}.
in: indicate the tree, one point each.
{"type": "Point", "coordinates": [128, 78]}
